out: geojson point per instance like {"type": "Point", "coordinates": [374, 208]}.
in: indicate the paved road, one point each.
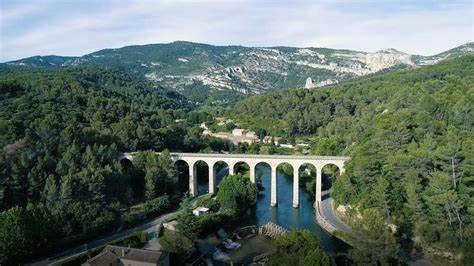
{"type": "Point", "coordinates": [149, 227]}
{"type": "Point", "coordinates": [328, 213]}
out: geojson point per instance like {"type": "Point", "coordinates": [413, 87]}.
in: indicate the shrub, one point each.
{"type": "Point", "coordinates": [158, 205]}
{"type": "Point", "coordinates": [208, 202]}
{"type": "Point", "coordinates": [427, 232]}
{"type": "Point", "coordinates": [188, 224]}
{"type": "Point", "coordinates": [173, 241]}
{"type": "Point", "coordinates": [298, 248]}
{"type": "Point", "coordinates": [236, 193]}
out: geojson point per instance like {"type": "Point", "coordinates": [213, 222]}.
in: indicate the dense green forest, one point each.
{"type": "Point", "coordinates": [409, 134]}
{"type": "Point", "coordinates": [61, 131]}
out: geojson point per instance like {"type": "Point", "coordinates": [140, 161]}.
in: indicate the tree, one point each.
{"type": "Point", "coordinates": [297, 248]}
{"type": "Point", "coordinates": [372, 241]}
{"type": "Point", "coordinates": [236, 193]}
{"type": "Point", "coordinates": [50, 192]}
{"type": "Point", "coordinates": [25, 232]}
{"type": "Point", "coordinates": [175, 242]}
{"type": "Point", "coordinates": [187, 223]}
{"type": "Point", "coordinates": [443, 203]}
{"type": "Point", "coordinates": [160, 176]}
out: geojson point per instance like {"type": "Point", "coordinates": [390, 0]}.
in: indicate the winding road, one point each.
{"type": "Point", "coordinates": [327, 212]}
{"type": "Point", "coordinates": [147, 227]}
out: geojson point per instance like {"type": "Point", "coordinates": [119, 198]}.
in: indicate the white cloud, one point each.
{"type": "Point", "coordinates": [74, 28]}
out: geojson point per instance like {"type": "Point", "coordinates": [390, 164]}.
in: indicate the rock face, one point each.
{"type": "Point", "coordinates": [186, 66]}
{"type": "Point", "coordinates": [309, 83]}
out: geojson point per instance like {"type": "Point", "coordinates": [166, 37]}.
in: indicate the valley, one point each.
{"type": "Point", "coordinates": [407, 131]}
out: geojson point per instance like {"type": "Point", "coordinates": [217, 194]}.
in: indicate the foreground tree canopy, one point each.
{"type": "Point", "coordinates": [236, 193]}
{"type": "Point", "coordinates": [298, 248]}
{"type": "Point", "coordinates": [61, 131]}
{"type": "Point", "coordinates": [409, 134]}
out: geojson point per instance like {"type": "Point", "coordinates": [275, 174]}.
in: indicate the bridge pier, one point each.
{"type": "Point", "coordinates": [274, 200]}
{"type": "Point", "coordinates": [212, 179]}
{"type": "Point", "coordinates": [252, 173]}
{"type": "Point", "coordinates": [193, 179]}
{"type": "Point", "coordinates": [318, 184]}
{"type": "Point", "coordinates": [296, 194]}
{"type": "Point", "coordinates": [231, 168]}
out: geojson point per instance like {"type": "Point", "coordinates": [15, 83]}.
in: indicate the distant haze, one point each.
{"type": "Point", "coordinates": [63, 27]}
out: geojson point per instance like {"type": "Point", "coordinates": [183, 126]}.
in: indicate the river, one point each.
{"type": "Point", "coordinates": [284, 214]}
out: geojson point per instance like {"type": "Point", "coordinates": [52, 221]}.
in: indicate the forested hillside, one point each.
{"type": "Point", "coordinates": [411, 139]}
{"type": "Point", "coordinates": [60, 134]}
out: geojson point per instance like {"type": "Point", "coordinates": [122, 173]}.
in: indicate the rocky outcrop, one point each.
{"type": "Point", "coordinates": [309, 83]}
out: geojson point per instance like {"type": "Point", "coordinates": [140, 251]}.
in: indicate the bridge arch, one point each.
{"type": "Point", "coordinates": [137, 178]}
{"type": "Point", "coordinates": [242, 167]}
{"type": "Point", "coordinates": [329, 172]}
{"type": "Point", "coordinates": [126, 162]}
{"type": "Point", "coordinates": [259, 169]}
{"type": "Point", "coordinates": [290, 172]}
{"type": "Point", "coordinates": [201, 173]}
{"type": "Point", "coordinates": [220, 169]}
{"type": "Point", "coordinates": [182, 168]}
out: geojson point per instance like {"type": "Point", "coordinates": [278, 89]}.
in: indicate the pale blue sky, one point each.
{"type": "Point", "coordinates": [77, 27]}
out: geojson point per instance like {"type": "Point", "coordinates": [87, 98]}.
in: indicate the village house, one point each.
{"type": "Point", "coordinates": [118, 256]}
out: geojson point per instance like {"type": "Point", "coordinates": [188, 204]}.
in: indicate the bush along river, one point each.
{"type": "Point", "coordinates": [283, 214]}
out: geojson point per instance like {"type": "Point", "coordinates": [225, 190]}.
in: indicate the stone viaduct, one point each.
{"type": "Point", "coordinates": [296, 161]}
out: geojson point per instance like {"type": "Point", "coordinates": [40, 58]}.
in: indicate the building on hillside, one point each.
{"type": "Point", "coordinates": [276, 141]}
{"type": "Point", "coordinates": [269, 139]}
{"type": "Point", "coordinates": [252, 135]}
{"type": "Point", "coordinates": [171, 225]}
{"type": "Point", "coordinates": [303, 145]}
{"type": "Point", "coordinates": [239, 132]}
{"type": "Point", "coordinates": [222, 121]}
{"type": "Point", "coordinates": [222, 135]}
{"type": "Point", "coordinates": [289, 146]}
{"type": "Point", "coordinates": [118, 256]}
{"type": "Point", "coordinates": [240, 135]}
{"type": "Point", "coordinates": [200, 210]}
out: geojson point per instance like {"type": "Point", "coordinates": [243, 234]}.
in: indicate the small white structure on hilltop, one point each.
{"type": "Point", "coordinates": [200, 210]}
{"type": "Point", "coordinates": [309, 83]}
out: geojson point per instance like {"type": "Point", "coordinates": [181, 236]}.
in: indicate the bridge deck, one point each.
{"type": "Point", "coordinates": [256, 156]}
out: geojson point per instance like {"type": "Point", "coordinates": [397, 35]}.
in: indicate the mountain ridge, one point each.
{"type": "Point", "coordinates": [203, 71]}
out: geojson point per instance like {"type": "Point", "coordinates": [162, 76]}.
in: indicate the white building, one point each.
{"type": "Point", "coordinates": [239, 132]}
{"type": "Point", "coordinates": [200, 210]}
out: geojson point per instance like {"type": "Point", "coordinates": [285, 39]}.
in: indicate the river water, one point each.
{"type": "Point", "coordinates": [284, 214]}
